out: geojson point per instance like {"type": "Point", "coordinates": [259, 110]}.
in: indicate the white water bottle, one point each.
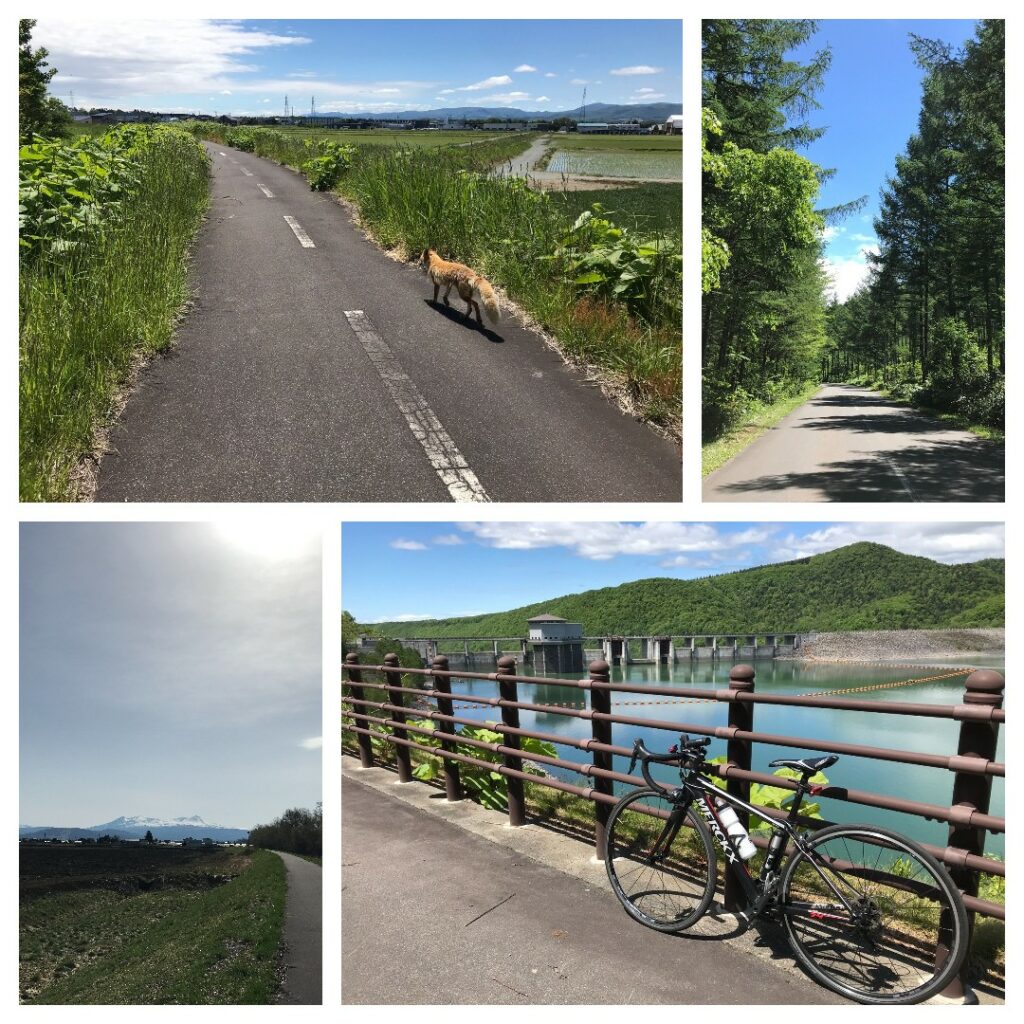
{"type": "Point", "coordinates": [737, 832]}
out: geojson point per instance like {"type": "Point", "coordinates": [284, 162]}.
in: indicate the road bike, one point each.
{"type": "Point", "coordinates": [868, 913]}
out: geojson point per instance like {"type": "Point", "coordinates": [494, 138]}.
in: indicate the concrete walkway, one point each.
{"type": "Point", "coordinates": [435, 913]}
{"type": "Point", "coordinates": [303, 932]}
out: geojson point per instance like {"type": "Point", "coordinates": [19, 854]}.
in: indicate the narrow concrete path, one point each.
{"type": "Point", "coordinates": [303, 932]}
{"type": "Point", "coordinates": [461, 919]}
{"type": "Point", "coordinates": [850, 444]}
{"type": "Point", "coordinates": [314, 368]}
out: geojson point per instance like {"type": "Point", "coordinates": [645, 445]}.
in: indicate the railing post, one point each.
{"type": "Point", "coordinates": [355, 684]}
{"type": "Point", "coordinates": [510, 716]}
{"type": "Point", "coordinates": [973, 792]}
{"type": "Point", "coordinates": [403, 756]}
{"type": "Point", "coordinates": [452, 781]}
{"type": "Point", "coordinates": [601, 730]}
{"type": "Point", "coordinates": [737, 751]}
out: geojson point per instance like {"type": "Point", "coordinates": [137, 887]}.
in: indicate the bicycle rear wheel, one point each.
{"type": "Point", "coordinates": [873, 916]}
{"type": "Point", "coordinates": [661, 867]}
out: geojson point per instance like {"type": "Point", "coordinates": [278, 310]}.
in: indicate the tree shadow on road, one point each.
{"type": "Point", "coordinates": [941, 471]}
{"type": "Point", "coordinates": [880, 423]}
{"type": "Point", "coordinates": [464, 321]}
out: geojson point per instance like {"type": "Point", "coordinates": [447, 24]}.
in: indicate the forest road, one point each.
{"type": "Point", "coordinates": [303, 932]}
{"type": "Point", "coordinates": [312, 367]}
{"type": "Point", "coordinates": [851, 444]}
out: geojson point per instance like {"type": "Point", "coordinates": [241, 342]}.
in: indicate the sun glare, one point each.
{"type": "Point", "coordinates": [272, 538]}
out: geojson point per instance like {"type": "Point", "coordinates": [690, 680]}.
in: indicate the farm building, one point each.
{"type": "Point", "coordinates": [674, 124]}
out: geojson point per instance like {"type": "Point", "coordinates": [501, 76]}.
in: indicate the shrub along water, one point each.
{"type": "Point", "coordinates": [611, 295]}
{"type": "Point", "coordinates": [105, 226]}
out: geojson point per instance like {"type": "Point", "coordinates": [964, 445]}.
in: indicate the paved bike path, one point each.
{"type": "Point", "coordinates": [271, 395]}
{"type": "Point", "coordinates": [468, 920]}
{"type": "Point", "coordinates": [303, 932]}
{"type": "Point", "coordinates": [851, 444]}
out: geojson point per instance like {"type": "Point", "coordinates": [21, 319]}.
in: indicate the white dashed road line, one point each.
{"type": "Point", "coordinates": [223, 154]}
{"type": "Point", "coordinates": [246, 171]}
{"type": "Point", "coordinates": [901, 476]}
{"type": "Point", "coordinates": [307, 242]}
{"type": "Point", "coordinates": [446, 459]}
{"type": "Point", "coordinates": [266, 191]}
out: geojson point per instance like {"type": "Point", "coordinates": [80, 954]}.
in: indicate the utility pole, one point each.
{"type": "Point", "coordinates": [584, 115]}
{"type": "Point", "coordinates": [286, 104]}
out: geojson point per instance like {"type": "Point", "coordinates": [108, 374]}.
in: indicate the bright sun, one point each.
{"type": "Point", "coordinates": [270, 537]}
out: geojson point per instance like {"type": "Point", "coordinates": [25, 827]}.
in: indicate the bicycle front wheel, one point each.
{"type": "Point", "coordinates": [873, 916]}
{"type": "Point", "coordinates": [661, 863]}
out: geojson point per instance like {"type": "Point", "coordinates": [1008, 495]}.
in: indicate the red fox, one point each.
{"type": "Point", "coordinates": [471, 286]}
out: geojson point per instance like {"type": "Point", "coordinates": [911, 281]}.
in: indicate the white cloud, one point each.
{"type": "Point", "coordinates": [524, 68]}
{"type": "Point", "coordinates": [637, 69]}
{"type": "Point", "coordinates": [602, 541]}
{"type": "Point", "coordinates": [543, 99]}
{"type": "Point", "coordinates": [830, 231]}
{"type": "Point", "coordinates": [867, 239]}
{"type": "Point", "coordinates": [504, 99]}
{"type": "Point", "coordinates": [449, 540]}
{"type": "Point", "coordinates": [403, 617]}
{"type": "Point", "coordinates": [578, 81]}
{"type": "Point", "coordinates": [313, 743]}
{"type": "Point", "coordinates": [646, 96]}
{"type": "Point", "coordinates": [943, 542]}
{"type": "Point", "coordinates": [847, 274]}
{"type": "Point", "coordinates": [400, 544]}
{"type": "Point", "coordinates": [487, 83]}
{"type": "Point", "coordinates": [550, 74]}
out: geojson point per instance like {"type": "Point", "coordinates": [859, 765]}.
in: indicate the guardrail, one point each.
{"type": "Point", "coordinates": [973, 766]}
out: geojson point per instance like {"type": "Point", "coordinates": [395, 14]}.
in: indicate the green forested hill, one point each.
{"type": "Point", "coordinates": [861, 586]}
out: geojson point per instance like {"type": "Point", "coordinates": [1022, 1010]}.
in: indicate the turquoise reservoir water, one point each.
{"type": "Point", "coordinates": [901, 732]}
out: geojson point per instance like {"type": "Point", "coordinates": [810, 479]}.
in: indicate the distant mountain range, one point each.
{"type": "Point", "coordinates": [857, 587]}
{"type": "Point", "coordinates": [136, 827]}
{"type": "Point", "coordinates": [594, 112]}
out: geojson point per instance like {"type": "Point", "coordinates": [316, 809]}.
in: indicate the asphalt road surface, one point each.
{"type": "Point", "coordinates": [434, 914]}
{"type": "Point", "coordinates": [314, 368]}
{"type": "Point", "coordinates": [303, 955]}
{"type": "Point", "coordinates": [851, 444]}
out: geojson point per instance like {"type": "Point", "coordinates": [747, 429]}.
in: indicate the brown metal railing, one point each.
{"type": "Point", "coordinates": [973, 766]}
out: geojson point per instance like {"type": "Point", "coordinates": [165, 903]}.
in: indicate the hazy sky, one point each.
{"type": "Point", "coordinates": [870, 104]}
{"type": "Point", "coordinates": [247, 67]}
{"type": "Point", "coordinates": [168, 670]}
{"type": "Point", "coordinates": [393, 571]}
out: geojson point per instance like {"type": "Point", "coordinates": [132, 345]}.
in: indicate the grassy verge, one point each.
{"type": "Point", "coordinates": [611, 298]}
{"type": "Point", "coordinates": [102, 289]}
{"type": "Point", "coordinates": [759, 418]}
{"type": "Point", "coordinates": [165, 946]}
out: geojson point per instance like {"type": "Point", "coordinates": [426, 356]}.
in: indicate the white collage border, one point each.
{"type": "Point", "coordinates": [329, 516]}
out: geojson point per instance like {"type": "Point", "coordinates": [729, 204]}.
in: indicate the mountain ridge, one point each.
{"type": "Point", "coordinates": [856, 587]}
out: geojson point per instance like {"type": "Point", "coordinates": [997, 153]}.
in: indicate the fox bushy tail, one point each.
{"type": "Point", "coordinates": [486, 293]}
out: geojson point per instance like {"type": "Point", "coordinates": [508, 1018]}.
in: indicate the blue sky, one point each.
{"type": "Point", "coordinates": [168, 670]}
{"type": "Point", "coordinates": [394, 571]}
{"type": "Point", "coordinates": [869, 103]}
{"type": "Point", "coordinates": [247, 67]}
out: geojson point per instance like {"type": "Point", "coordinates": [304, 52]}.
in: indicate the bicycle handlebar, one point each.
{"type": "Point", "coordinates": [685, 750]}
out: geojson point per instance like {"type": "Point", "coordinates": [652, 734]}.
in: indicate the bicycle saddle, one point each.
{"type": "Point", "coordinates": [808, 766]}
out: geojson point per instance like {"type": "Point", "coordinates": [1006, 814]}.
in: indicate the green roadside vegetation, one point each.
{"type": "Point", "coordinates": [170, 945]}
{"type": "Point", "coordinates": [759, 417]}
{"type": "Point", "coordinates": [858, 587]}
{"type": "Point", "coordinates": [105, 223]}
{"type": "Point", "coordinates": [611, 294]}
{"type": "Point", "coordinates": [928, 326]}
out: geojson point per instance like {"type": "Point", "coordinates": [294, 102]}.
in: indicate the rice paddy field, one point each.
{"type": "Point", "coordinates": [644, 157]}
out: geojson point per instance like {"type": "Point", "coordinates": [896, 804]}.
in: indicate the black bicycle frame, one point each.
{"type": "Point", "coordinates": [697, 789]}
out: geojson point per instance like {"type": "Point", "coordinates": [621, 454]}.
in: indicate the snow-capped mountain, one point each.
{"type": "Point", "coordinates": [136, 826]}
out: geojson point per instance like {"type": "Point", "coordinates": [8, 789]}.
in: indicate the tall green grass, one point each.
{"type": "Point", "coordinates": [106, 287]}
{"type": "Point", "coordinates": [611, 297]}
